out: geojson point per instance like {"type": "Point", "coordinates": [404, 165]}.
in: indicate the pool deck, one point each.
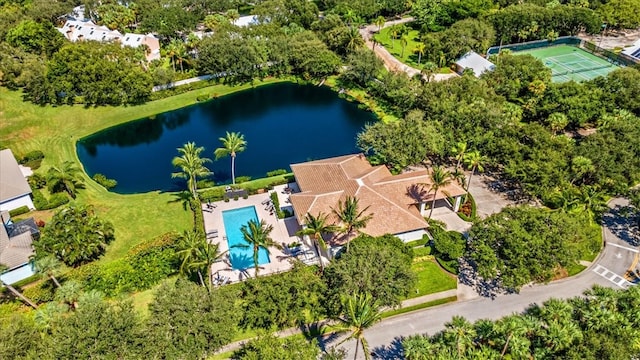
{"type": "Point", "coordinates": [283, 233]}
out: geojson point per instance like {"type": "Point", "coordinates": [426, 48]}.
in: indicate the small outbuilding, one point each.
{"type": "Point", "coordinates": [472, 60]}
{"type": "Point", "coordinates": [15, 191]}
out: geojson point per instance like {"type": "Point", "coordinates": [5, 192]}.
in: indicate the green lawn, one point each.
{"type": "Point", "coordinates": [430, 278]}
{"type": "Point", "coordinates": [55, 130]}
{"type": "Point", "coordinates": [394, 46]}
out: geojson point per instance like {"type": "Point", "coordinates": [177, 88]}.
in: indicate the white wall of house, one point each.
{"type": "Point", "coordinates": [411, 235]}
{"type": "Point", "coordinates": [19, 273]}
{"type": "Point", "coordinates": [24, 200]}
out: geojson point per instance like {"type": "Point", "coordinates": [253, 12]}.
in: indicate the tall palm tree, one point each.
{"type": "Point", "coordinates": [379, 22]}
{"type": "Point", "coordinates": [459, 149]}
{"type": "Point", "coordinates": [232, 144]}
{"type": "Point", "coordinates": [440, 178]}
{"type": "Point", "coordinates": [257, 234]}
{"type": "Point", "coordinates": [461, 332]}
{"type": "Point", "coordinates": [428, 70]}
{"type": "Point", "coordinates": [197, 255]}
{"type": "Point", "coordinates": [394, 32]}
{"type": "Point", "coordinates": [50, 266]}
{"type": "Point", "coordinates": [419, 49]}
{"type": "Point", "coordinates": [354, 40]}
{"type": "Point", "coordinates": [474, 162]}
{"type": "Point", "coordinates": [351, 217]}
{"type": "Point", "coordinates": [360, 312]}
{"type": "Point", "coordinates": [315, 227]}
{"type": "Point", "coordinates": [15, 292]}
{"type": "Point", "coordinates": [404, 40]}
{"type": "Point", "coordinates": [65, 178]}
{"type": "Point", "coordinates": [192, 166]}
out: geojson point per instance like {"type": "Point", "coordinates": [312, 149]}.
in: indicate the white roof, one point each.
{"type": "Point", "coordinates": [81, 30]}
{"type": "Point", "coordinates": [244, 21]}
{"type": "Point", "coordinates": [475, 62]}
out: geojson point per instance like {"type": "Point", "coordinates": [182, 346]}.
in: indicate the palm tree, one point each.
{"type": "Point", "coordinates": [459, 176]}
{"type": "Point", "coordinates": [379, 22]}
{"type": "Point", "coordinates": [257, 235]}
{"type": "Point", "coordinates": [197, 255]}
{"type": "Point", "coordinates": [232, 144]}
{"type": "Point", "coordinates": [474, 161]}
{"type": "Point", "coordinates": [69, 293]}
{"type": "Point", "coordinates": [360, 312]}
{"type": "Point", "coordinates": [461, 332]}
{"type": "Point", "coordinates": [419, 49]}
{"type": "Point", "coordinates": [315, 227]}
{"type": "Point", "coordinates": [440, 178]}
{"type": "Point", "coordinates": [232, 15]}
{"type": "Point", "coordinates": [394, 32]}
{"type": "Point", "coordinates": [428, 70]}
{"type": "Point", "coordinates": [353, 39]}
{"type": "Point", "coordinates": [404, 40]}
{"type": "Point", "coordinates": [351, 217]}
{"type": "Point", "coordinates": [14, 291]}
{"type": "Point", "coordinates": [65, 178]}
{"type": "Point", "coordinates": [581, 166]}
{"type": "Point", "coordinates": [459, 149]}
{"type": "Point", "coordinates": [49, 265]}
{"type": "Point", "coordinates": [192, 166]}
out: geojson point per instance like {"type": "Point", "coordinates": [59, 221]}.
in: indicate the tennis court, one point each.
{"type": "Point", "coordinates": [571, 63]}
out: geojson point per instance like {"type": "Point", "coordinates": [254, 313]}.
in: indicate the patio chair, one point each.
{"type": "Point", "coordinates": [266, 202]}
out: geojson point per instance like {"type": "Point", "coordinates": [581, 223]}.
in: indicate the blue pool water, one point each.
{"type": "Point", "coordinates": [241, 257]}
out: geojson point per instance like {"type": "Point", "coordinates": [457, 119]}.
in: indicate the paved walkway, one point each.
{"type": "Point", "coordinates": [181, 82]}
{"type": "Point", "coordinates": [607, 270]}
{"type": "Point", "coordinates": [390, 61]}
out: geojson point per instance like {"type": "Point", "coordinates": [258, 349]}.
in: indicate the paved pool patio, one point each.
{"type": "Point", "coordinates": [283, 233]}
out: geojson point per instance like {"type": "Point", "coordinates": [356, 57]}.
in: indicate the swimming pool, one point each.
{"type": "Point", "coordinates": [241, 257]}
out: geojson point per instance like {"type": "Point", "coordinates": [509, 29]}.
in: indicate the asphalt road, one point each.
{"type": "Point", "coordinates": [607, 270]}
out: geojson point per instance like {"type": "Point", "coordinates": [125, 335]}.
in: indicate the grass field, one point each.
{"type": "Point", "coordinates": [571, 63]}
{"type": "Point", "coordinates": [55, 130]}
{"type": "Point", "coordinates": [409, 57]}
{"type": "Point", "coordinates": [430, 278]}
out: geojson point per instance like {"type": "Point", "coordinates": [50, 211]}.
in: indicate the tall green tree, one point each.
{"type": "Point", "coordinates": [359, 312]}
{"type": "Point", "coordinates": [258, 235]}
{"type": "Point", "coordinates": [192, 167]}
{"type": "Point", "coordinates": [197, 255]}
{"type": "Point", "coordinates": [65, 178]}
{"type": "Point", "coordinates": [75, 235]}
{"type": "Point", "coordinates": [459, 149]}
{"type": "Point", "coordinates": [440, 178]}
{"type": "Point", "coordinates": [351, 217]}
{"type": "Point", "coordinates": [232, 144]}
{"type": "Point", "coordinates": [474, 162]}
{"type": "Point", "coordinates": [315, 227]}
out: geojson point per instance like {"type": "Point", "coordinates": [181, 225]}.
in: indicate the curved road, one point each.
{"type": "Point", "coordinates": [619, 254]}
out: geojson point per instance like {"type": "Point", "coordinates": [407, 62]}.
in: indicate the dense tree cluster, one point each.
{"type": "Point", "coordinates": [588, 327]}
{"type": "Point", "coordinates": [524, 244]}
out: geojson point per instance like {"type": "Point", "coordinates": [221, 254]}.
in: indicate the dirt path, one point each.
{"type": "Point", "coordinates": [390, 62]}
{"type": "Point", "coordinates": [614, 39]}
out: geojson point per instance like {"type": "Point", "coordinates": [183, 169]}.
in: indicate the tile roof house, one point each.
{"type": "Point", "coordinates": [15, 191]}
{"type": "Point", "coordinates": [86, 30]}
{"type": "Point", "coordinates": [16, 247]}
{"type": "Point", "coordinates": [397, 202]}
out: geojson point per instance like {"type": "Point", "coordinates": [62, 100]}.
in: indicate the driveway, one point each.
{"type": "Point", "coordinates": [607, 270]}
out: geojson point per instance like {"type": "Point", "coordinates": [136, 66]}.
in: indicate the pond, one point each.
{"type": "Point", "coordinates": [282, 123]}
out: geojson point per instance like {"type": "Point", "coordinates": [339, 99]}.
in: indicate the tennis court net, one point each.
{"type": "Point", "coordinates": [583, 70]}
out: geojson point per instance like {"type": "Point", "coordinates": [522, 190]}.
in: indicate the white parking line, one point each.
{"type": "Point", "coordinates": [611, 276]}
{"type": "Point", "coordinates": [624, 247]}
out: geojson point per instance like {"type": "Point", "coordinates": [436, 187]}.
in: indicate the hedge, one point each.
{"type": "Point", "coordinates": [104, 181]}
{"type": "Point", "coordinates": [183, 89]}
{"type": "Point", "coordinates": [41, 202]}
{"type": "Point", "coordinates": [276, 205]}
{"type": "Point", "coordinates": [41, 292]}
{"type": "Point", "coordinates": [32, 159]}
{"type": "Point", "coordinates": [19, 211]}
{"type": "Point", "coordinates": [144, 266]}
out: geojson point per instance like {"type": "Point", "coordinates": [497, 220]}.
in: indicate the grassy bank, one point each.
{"type": "Point", "coordinates": [55, 130]}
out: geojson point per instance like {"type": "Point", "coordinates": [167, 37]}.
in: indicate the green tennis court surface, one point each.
{"type": "Point", "coordinates": [571, 63]}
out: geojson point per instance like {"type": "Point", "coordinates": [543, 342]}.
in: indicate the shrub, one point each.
{"type": "Point", "coordinates": [242, 179]}
{"type": "Point", "coordinates": [19, 211]}
{"type": "Point", "coordinates": [276, 172]}
{"type": "Point", "coordinates": [37, 181]}
{"type": "Point", "coordinates": [202, 97]}
{"type": "Point", "coordinates": [32, 159]}
{"type": "Point", "coordinates": [41, 202]}
{"type": "Point", "coordinates": [276, 205]}
{"type": "Point", "coordinates": [198, 217]}
{"type": "Point", "coordinates": [215, 194]}
{"type": "Point", "coordinates": [40, 293]}
{"type": "Point", "coordinates": [102, 180]}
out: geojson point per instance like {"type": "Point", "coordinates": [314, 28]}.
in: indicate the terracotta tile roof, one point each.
{"type": "Point", "coordinates": [392, 199]}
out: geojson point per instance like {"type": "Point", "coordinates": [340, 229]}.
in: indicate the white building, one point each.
{"type": "Point", "coordinates": [475, 62]}
{"type": "Point", "coordinates": [15, 191]}
{"type": "Point", "coordinates": [87, 31]}
{"type": "Point", "coordinates": [244, 21]}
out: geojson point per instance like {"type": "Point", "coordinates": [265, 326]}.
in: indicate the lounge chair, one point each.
{"type": "Point", "coordinates": [266, 202]}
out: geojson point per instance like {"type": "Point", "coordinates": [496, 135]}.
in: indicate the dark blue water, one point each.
{"type": "Point", "coordinates": [282, 124]}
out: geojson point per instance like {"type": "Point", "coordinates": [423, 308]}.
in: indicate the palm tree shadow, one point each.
{"type": "Point", "coordinates": [391, 352]}
{"type": "Point", "coordinates": [417, 192]}
{"type": "Point", "coordinates": [183, 197]}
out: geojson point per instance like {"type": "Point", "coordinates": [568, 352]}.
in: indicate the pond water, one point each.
{"type": "Point", "coordinates": [282, 123]}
